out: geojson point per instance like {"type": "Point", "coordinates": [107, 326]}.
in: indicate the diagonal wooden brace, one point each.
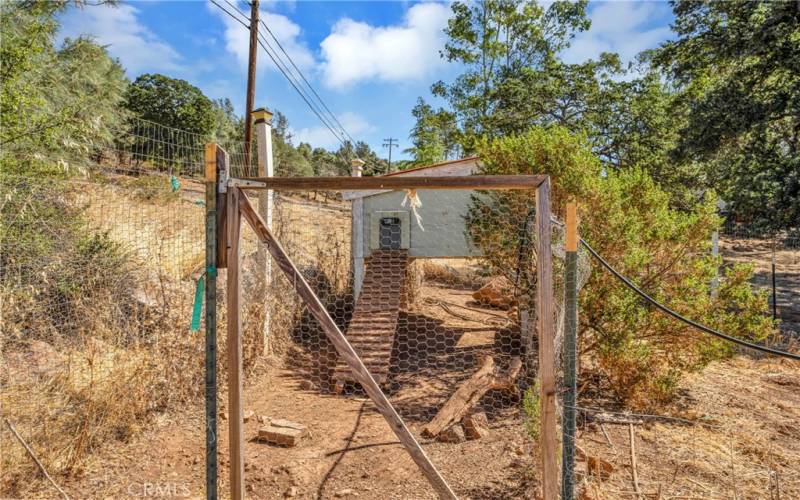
{"type": "Point", "coordinates": [345, 350]}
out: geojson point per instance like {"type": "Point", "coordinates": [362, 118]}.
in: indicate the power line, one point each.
{"type": "Point", "coordinates": [331, 117]}
{"type": "Point", "coordinates": [684, 319]}
{"type": "Point", "coordinates": [308, 84]}
{"type": "Point", "coordinates": [299, 72]}
{"type": "Point", "coordinates": [246, 25]}
{"type": "Point", "coordinates": [302, 94]}
{"type": "Point", "coordinates": [341, 135]}
{"type": "Point", "coordinates": [280, 65]}
{"type": "Point", "coordinates": [326, 120]}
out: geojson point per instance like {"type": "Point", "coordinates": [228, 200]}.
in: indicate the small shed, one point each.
{"type": "Point", "coordinates": [381, 221]}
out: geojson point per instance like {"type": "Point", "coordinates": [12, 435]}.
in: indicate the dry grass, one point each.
{"type": "Point", "coordinates": [95, 345]}
{"type": "Point", "coordinates": [739, 438]}
{"type": "Point", "coordinates": [165, 235]}
{"type": "Point", "coordinates": [124, 354]}
{"type": "Point", "coordinates": [460, 272]}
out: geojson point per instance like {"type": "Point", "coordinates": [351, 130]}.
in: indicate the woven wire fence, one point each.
{"type": "Point", "coordinates": [102, 245]}
{"type": "Point", "coordinates": [775, 258]}
{"type": "Point", "coordinates": [444, 319]}
{"type": "Point", "coordinates": [98, 277]}
{"type": "Point", "coordinates": [102, 255]}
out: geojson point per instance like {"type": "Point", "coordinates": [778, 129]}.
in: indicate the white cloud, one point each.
{"type": "Point", "coordinates": [356, 51]}
{"type": "Point", "coordinates": [138, 48]}
{"type": "Point", "coordinates": [320, 136]}
{"type": "Point", "coordinates": [619, 27]}
{"type": "Point", "coordinates": [237, 39]}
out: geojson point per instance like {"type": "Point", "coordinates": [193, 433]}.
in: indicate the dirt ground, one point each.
{"type": "Point", "coordinates": [736, 442]}
{"type": "Point", "coordinates": [351, 451]}
{"type": "Point", "coordinates": [724, 438]}
{"type": "Point", "coordinates": [733, 434]}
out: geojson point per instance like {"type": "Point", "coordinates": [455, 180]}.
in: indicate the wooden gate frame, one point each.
{"type": "Point", "coordinates": [226, 204]}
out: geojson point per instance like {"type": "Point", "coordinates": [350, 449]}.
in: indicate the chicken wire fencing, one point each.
{"type": "Point", "coordinates": [102, 249]}
{"type": "Point", "coordinates": [102, 259]}
{"type": "Point", "coordinates": [443, 315]}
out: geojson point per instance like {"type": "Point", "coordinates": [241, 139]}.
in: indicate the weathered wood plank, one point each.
{"type": "Point", "coordinates": [234, 291]}
{"type": "Point", "coordinates": [547, 368]}
{"type": "Point", "coordinates": [483, 182]}
{"type": "Point", "coordinates": [345, 350]}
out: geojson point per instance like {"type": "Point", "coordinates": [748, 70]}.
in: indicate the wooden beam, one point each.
{"type": "Point", "coordinates": [345, 350]}
{"type": "Point", "coordinates": [234, 290]}
{"type": "Point", "coordinates": [483, 182]}
{"type": "Point", "coordinates": [211, 320]}
{"type": "Point", "coordinates": [547, 368]}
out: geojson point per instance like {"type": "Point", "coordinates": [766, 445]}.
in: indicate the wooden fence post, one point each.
{"type": "Point", "coordinates": [547, 370]}
{"type": "Point", "coordinates": [262, 120]}
{"type": "Point", "coordinates": [211, 320]}
{"type": "Point", "coordinates": [234, 342]}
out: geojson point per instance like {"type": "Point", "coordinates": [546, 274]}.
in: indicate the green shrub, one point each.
{"type": "Point", "coordinates": [62, 277]}
{"type": "Point", "coordinates": [628, 219]}
{"type": "Point", "coordinates": [532, 407]}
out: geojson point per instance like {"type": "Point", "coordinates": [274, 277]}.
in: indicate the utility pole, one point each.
{"type": "Point", "coordinates": [251, 82]}
{"type": "Point", "coordinates": [390, 143]}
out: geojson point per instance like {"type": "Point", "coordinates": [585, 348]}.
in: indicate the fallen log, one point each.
{"type": "Point", "coordinates": [487, 378]}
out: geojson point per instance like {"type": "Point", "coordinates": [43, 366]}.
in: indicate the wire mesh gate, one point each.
{"type": "Point", "coordinates": [416, 338]}
{"type": "Point", "coordinates": [124, 321]}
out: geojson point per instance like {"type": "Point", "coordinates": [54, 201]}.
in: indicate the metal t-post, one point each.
{"type": "Point", "coordinates": [211, 176]}
{"type": "Point", "coordinates": [774, 291]}
{"type": "Point", "coordinates": [570, 354]}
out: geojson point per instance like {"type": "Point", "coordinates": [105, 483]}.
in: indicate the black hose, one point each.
{"type": "Point", "coordinates": [677, 316]}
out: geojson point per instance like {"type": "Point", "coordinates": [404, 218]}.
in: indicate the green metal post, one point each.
{"type": "Point", "coordinates": [570, 356]}
{"type": "Point", "coordinates": [211, 321]}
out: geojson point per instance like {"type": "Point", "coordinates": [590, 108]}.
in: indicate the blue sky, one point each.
{"type": "Point", "coordinates": [368, 60]}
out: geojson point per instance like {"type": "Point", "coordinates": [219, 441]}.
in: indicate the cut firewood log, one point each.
{"type": "Point", "coordinates": [476, 425]}
{"type": "Point", "coordinates": [487, 378]}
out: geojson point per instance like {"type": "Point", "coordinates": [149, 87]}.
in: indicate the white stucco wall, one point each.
{"type": "Point", "coordinates": [442, 215]}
